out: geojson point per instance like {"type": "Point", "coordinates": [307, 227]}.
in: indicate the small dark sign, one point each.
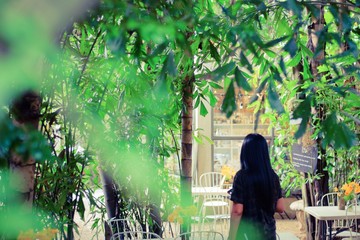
{"type": "Point", "coordinates": [304, 159]}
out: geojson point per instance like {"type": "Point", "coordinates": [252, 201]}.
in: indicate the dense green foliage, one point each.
{"type": "Point", "coordinates": [112, 90]}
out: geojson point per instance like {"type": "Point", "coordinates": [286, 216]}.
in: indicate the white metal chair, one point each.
{"type": "Point", "coordinates": [200, 235]}
{"type": "Point", "coordinates": [212, 179]}
{"type": "Point", "coordinates": [277, 236]}
{"type": "Point", "coordinates": [351, 223]}
{"type": "Point", "coordinates": [127, 235]}
{"type": "Point", "coordinates": [123, 225]}
{"type": "Point", "coordinates": [339, 226]}
{"type": "Point", "coordinates": [215, 208]}
{"type": "Point", "coordinates": [330, 199]}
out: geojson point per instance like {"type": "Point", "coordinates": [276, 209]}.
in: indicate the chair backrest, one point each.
{"type": "Point", "coordinates": [134, 235]}
{"type": "Point", "coordinates": [351, 222]}
{"type": "Point", "coordinates": [212, 179]}
{"type": "Point", "coordinates": [277, 236]}
{"type": "Point", "coordinates": [200, 235]}
{"type": "Point", "coordinates": [329, 199]}
{"type": "Point", "coordinates": [123, 225]}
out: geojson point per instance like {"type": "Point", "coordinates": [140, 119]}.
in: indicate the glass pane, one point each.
{"type": "Point", "coordinates": [242, 122]}
{"type": "Point", "coordinates": [227, 152]}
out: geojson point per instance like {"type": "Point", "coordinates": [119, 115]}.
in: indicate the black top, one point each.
{"type": "Point", "coordinates": [256, 223]}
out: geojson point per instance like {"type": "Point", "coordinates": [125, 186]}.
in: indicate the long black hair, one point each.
{"type": "Point", "coordinates": [255, 161]}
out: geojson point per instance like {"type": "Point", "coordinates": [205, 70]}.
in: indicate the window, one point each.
{"type": "Point", "coordinates": [228, 133]}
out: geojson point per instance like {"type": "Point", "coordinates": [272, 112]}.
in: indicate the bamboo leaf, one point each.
{"type": "Point", "coordinates": [302, 128]}
{"type": "Point", "coordinates": [270, 53]}
{"type": "Point", "coordinates": [212, 98]}
{"type": "Point", "coordinates": [170, 64]}
{"type": "Point", "coordinates": [222, 71]}
{"type": "Point", "coordinates": [241, 80]}
{"type": "Point", "coordinates": [282, 66]}
{"type": "Point", "coordinates": [294, 61]}
{"type": "Point", "coordinates": [303, 111]}
{"type": "Point", "coordinates": [229, 103]}
{"type": "Point", "coordinates": [274, 100]}
{"type": "Point", "coordinates": [197, 139]}
{"type": "Point", "coordinates": [245, 62]}
{"type": "Point", "coordinates": [214, 53]}
{"type": "Point", "coordinates": [275, 41]}
{"type": "Point", "coordinates": [197, 102]}
{"type": "Point", "coordinates": [263, 68]}
{"type": "Point", "coordinates": [81, 208]}
{"type": "Point", "coordinates": [159, 49]}
{"type": "Point", "coordinates": [291, 47]}
{"type": "Point", "coordinates": [203, 110]}
{"type": "Point", "coordinates": [215, 85]}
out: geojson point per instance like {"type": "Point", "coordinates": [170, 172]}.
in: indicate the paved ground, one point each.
{"type": "Point", "coordinates": [287, 229]}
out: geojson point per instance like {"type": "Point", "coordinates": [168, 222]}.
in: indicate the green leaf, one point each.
{"type": "Point", "coordinates": [303, 110]}
{"type": "Point", "coordinates": [302, 128]}
{"type": "Point", "coordinates": [274, 100]}
{"type": "Point", "coordinates": [229, 104]}
{"type": "Point", "coordinates": [345, 137]}
{"type": "Point", "coordinates": [305, 51]}
{"type": "Point", "coordinates": [81, 208]}
{"type": "Point", "coordinates": [306, 71]}
{"type": "Point", "coordinates": [208, 139]}
{"type": "Point", "coordinates": [294, 61]}
{"type": "Point", "coordinates": [323, 68]}
{"type": "Point", "coordinates": [241, 80]}
{"type": "Point", "coordinates": [276, 74]}
{"type": "Point", "coordinates": [212, 98]}
{"type": "Point", "coordinates": [291, 47]}
{"type": "Point", "coordinates": [205, 90]}
{"type": "Point", "coordinates": [283, 27]}
{"type": "Point", "coordinates": [282, 66]}
{"type": "Point", "coordinates": [245, 62]}
{"type": "Point", "coordinates": [338, 133]}
{"type": "Point", "coordinates": [222, 71]}
{"type": "Point", "coordinates": [159, 49]}
{"type": "Point", "coordinates": [197, 139]}
{"type": "Point", "coordinates": [214, 53]}
{"type": "Point", "coordinates": [263, 67]}
{"type": "Point", "coordinates": [215, 85]}
{"type": "Point", "coordinates": [203, 110]}
{"type": "Point", "coordinates": [170, 64]}
{"type": "Point", "coordinates": [274, 42]}
{"type": "Point", "coordinates": [197, 102]}
{"type": "Point", "coordinates": [270, 53]}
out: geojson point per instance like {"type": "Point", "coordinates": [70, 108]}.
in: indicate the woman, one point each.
{"type": "Point", "coordinates": [256, 193]}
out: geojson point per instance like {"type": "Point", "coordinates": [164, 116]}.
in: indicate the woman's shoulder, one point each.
{"type": "Point", "coordinates": [240, 174]}
{"type": "Point", "coordinates": [275, 175]}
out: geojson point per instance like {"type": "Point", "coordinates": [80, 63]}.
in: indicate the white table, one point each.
{"type": "Point", "coordinates": [210, 190]}
{"type": "Point", "coordinates": [330, 213]}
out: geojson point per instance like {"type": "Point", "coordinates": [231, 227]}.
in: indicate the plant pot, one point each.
{"type": "Point", "coordinates": [341, 203]}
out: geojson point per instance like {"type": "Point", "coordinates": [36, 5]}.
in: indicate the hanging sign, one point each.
{"type": "Point", "coordinates": [304, 159]}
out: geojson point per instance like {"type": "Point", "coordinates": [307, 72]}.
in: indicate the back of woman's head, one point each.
{"type": "Point", "coordinates": [254, 153]}
{"type": "Point", "coordinates": [255, 161]}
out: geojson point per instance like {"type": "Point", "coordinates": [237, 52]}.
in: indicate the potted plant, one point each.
{"type": "Point", "coordinates": [347, 193]}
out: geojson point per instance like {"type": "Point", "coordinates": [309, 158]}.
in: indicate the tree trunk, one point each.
{"type": "Point", "coordinates": [186, 147]}
{"type": "Point", "coordinates": [315, 191]}
{"type": "Point", "coordinates": [111, 200]}
{"type": "Point", "coordinates": [26, 114]}
{"type": "Point", "coordinates": [344, 10]}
